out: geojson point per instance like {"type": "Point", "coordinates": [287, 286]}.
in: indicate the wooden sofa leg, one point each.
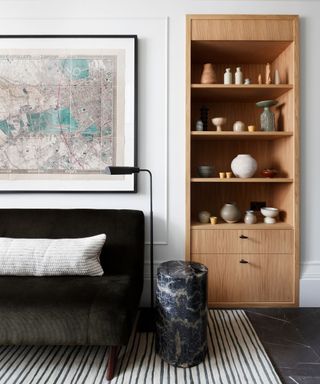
{"type": "Point", "coordinates": [112, 361]}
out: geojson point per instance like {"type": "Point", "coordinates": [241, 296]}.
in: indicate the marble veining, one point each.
{"type": "Point", "coordinates": [181, 306]}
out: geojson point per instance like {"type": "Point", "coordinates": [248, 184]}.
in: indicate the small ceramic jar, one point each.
{"type": "Point", "coordinates": [250, 217]}
{"type": "Point", "coordinates": [204, 217]}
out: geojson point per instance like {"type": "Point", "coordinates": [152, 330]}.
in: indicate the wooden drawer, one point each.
{"type": "Point", "coordinates": [265, 278]}
{"type": "Point", "coordinates": [242, 241]}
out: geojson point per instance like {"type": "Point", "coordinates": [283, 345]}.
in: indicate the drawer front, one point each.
{"type": "Point", "coordinates": [264, 278]}
{"type": "Point", "coordinates": [242, 241]}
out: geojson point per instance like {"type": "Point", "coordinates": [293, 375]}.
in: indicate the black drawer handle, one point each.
{"type": "Point", "coordinates": [243, 237]}
{"type": "Point", "coordinates": [243, 261]}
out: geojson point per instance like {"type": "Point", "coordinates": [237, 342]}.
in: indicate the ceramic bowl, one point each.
{"type": "Point", "coordinates": [269, 172]}
{"type": "Point", "coordinates": [205, 170]}
{"type": "Point", "coordinates": [269, 214]}
{"type": "Point", "coordinates": [218, 122]}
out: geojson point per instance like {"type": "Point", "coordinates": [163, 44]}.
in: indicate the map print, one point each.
{"type": "Point", "coordinates": [57, 113]}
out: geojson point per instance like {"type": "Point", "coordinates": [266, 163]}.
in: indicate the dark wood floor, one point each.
{"type": "Point", "coordinates": [291, 338]}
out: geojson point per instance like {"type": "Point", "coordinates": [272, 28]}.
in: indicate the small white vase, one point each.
{"type": "Point", "coordinates": [227, 78]}
{"type": "Point", "coordinates": [250, 217]}
{"type": "Point", "coordinates": [238, 76]}
{"type": "Point", "coordinates": [239, 126]}
{"type": "Point", "coordinates": [244, 166]}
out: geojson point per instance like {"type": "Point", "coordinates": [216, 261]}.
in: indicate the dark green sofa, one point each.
{"type": "Point", "coordinates": [75, 310]}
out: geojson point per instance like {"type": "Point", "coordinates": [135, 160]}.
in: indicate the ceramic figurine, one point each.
{"type": "Point", "coordinates": [239, 126]}
{"type": "Point", "coordinates": [268, 74]}
{"type": "Point", "coordinates": [259, 79]}
{"type": "Point", "coordinates": [230, 213]}
{"type": "Point", "coordinates": [244, 166]}
{"type": "Point", "coordinates": [247, 81]}
{"type": "Point", "coordinates": [238, 76]}
{"type": "Point", "coordinates": [277, 79]}
{"type": "Point", "coordinates": [208, 75]}
{"type": "Point", "coordinates": [227, 78]}
{"type": "Point", "coordinates": [267, 120]}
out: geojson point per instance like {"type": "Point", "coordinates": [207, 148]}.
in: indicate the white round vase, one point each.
{"type": "Point", "coordinates": [244, 166]}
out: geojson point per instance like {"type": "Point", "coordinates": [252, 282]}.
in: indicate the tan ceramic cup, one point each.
{"type": "Point", "coordinates": [222, 175]}
{"type": "Point", "coordinates": [229, 175]}
{"type": "Point", "coordinates": [213, 219]}
{"type": "Point", "coordinates": [251, 128]}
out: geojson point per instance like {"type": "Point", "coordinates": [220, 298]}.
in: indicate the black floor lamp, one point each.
{"type": "Point", "coordinates": [130, 171]}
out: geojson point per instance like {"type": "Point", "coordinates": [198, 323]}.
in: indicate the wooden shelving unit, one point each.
{"type": "Point", "coordinates": [271, 275]}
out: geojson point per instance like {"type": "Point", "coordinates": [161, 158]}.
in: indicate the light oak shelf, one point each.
{"type": "Point", "coordinates": [223, 226]}
{"type": "Point", "coordinates": [241, 93]}
{"type": "Point", "coordinates": [230, 135]}
{"type": "Point", "coordinates": [241, 180]}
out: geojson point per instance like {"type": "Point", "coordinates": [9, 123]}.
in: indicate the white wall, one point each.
{"type": "Point", "coordinates": [161, 27]}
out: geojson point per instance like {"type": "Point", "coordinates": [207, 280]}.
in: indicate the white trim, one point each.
{"type": "Point", "coordinates": [310, 270]}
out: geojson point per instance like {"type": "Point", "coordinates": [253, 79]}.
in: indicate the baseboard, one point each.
{"type": "Point", "coordinates": [310, 284]}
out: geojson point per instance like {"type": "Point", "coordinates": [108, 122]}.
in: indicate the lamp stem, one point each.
{"type": "Point", "coordinates": [151, 239]}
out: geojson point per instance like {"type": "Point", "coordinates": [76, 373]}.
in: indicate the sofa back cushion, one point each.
{"type": "Point", "coordinates": [51, 257]}
{"type": "Point", "coordinates": [123, 252]}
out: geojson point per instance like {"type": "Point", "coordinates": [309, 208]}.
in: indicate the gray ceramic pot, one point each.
{"type": "Point", "coordinates": [230, 213]}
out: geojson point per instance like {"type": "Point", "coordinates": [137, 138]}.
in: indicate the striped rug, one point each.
{"type": "Point", "coordinates": [235, 356]}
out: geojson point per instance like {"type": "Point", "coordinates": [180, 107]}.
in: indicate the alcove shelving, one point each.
{"type": "Point", "coordinates": [269, 277]}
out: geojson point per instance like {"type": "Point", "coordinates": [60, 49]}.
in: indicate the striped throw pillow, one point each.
{"type": "Point", "coordinates": [51, 257]}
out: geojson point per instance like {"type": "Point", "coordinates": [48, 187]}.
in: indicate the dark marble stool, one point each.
{"type": "Point", "coordinates": [181, 321]}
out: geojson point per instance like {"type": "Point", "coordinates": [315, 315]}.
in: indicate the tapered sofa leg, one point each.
{"type": "Point", "coordinates": [112, 361]}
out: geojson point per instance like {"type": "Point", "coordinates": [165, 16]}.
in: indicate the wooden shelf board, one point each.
{"type": "Point", "coordinates": [223, 225]}
{"type": "Point", "coordinates": [234, 51]}
{"type": "Point", "coordinates": [241, 180]}
{"type": "Point", "coordinates": [230, 135]}
{"type": "Point", "coordinates": [242, 93]}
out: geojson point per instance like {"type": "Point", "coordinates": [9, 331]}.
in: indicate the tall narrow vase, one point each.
{"type": "Point", "coordinates": [267, 120]}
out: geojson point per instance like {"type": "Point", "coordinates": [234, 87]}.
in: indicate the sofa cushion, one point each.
{"type": "Point", "coordinates": [67, 310]}
{"type": "Point", "coordinates": [50, 257]}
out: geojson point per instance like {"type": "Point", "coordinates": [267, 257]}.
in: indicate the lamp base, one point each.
{"type": "Point", "coordinates": [146, 322]}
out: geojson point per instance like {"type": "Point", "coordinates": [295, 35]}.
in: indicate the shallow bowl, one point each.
{"type": "Point", "coordinates": [219, 121]}
{"type": "Point", "coordinates": [269, 172]}
{"type": "Point", "coordinates": [269, 211]}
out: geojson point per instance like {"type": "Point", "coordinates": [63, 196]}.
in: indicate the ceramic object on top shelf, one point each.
{"type": "Point", "coordinates": [205, 170]}
{"type": "Point", "coordinates": [218, 122]}
{"type": "Point", "coordinates": [208, 75]}
{"type": "Point", "coordinates": [230, 213]}
{"type": "Point", "coordinates": [199, 125]}
{"type": "Point", "coordinates": [239, 126]}
{"type": "Point", "coordinates": [238, 76]}
{"type": "Point", "coordinates": [277, 79]}
{"type": "Point", "coordinates": [268, 73]}
{"type": "Point", "coordinates": [244, 166]}
{"type": "Point", "coordinates": [227, 77]}
{"type": "Point", "coordinates": [250, 217]}
{"type": "Point", "coordinates": [269, 214]}
{"type": "Point", "coordinates": [267, 120]}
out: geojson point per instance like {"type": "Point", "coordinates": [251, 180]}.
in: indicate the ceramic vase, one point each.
{"type": "Point", "coordinates": [244, 166]}
{"type": "Point", "coordinates": [250, 217]}
{"type": "Point", "coordinates": [267, 120]}
{"type": "Point", "coordinates": [238, 76]}
{"type": "Point", "coordinates": [208, 75]}
{"type": "Point", "coordinates": [227, 78]}
{"type": "Point", "coordinates": [204, 217]}
{"type": "Point", "coordinates": [239, 126]}
{"type": "Point", "coordinates": [230, 213]}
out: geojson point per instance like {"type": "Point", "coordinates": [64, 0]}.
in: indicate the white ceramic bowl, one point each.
{"type": "Point", "coordinates": [269, 214]}
{"type": "Point", "coordinates": [218, 122]}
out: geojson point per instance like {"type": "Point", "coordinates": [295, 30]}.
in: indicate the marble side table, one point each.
{"type": "Point", "coordinates": [181, 313]}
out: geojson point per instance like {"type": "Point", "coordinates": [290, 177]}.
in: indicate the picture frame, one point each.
{"type": "Point", "coordinates": [68, 110]}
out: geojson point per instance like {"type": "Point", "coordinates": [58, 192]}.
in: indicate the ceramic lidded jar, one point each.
{"type": "Point", "coordinates": [244, 166]}
{"type": "Point", "coordinates": [208, 75]}
{"type": "Point", "coordinates": [230, 213]}
{"type": "Point", "coordinates": [250, 217]}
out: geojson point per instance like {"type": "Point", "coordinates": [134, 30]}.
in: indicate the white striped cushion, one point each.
{"type": "Point", "coordinates": [51, 257]}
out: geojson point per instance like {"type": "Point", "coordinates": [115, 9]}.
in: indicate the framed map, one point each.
{"type": "Point", "coordinates": [67, 111]}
